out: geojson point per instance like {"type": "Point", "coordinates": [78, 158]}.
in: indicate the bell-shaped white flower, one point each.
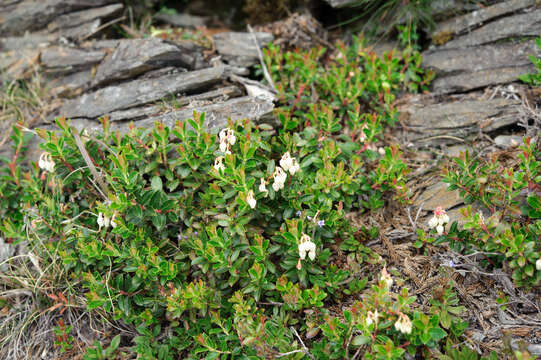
{"type": "Point", "coordinates": [307, 246]}
{"type": "Point", "coordinates": [538, 264]}
{"type": "Point", "coordinates": [263, 187]}
{"type": "Point", "coordinates": [386, 277]}
{"type": "Point", "coordinates": [286, 161]}
{"type": "Point", "coordinates": [250, 199]}
{"type": "Point", "coordinates": [439, 220]}
{"type": "Point", "coordinates": [280, 177]}
{"type": "Point", "coordinates": [372, 317]}
{"type": "Point", "coordinates": [218, 164]}
{"type": "Point", "coordinates": [101, 222]}
{"type": "Point", "coordinates": [113, 221]}
{"type": "Point", "coordinates": [403, 324]}
{"type": "Point", "coordinates": [46, 162]}
{"type": "Point", "coordinates": [295, 167]}
{"type": "Point", "coordinates": [223, 147]}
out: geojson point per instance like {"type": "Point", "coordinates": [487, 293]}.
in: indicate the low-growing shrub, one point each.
{"type": "Point", "coordinates": [508, 233]}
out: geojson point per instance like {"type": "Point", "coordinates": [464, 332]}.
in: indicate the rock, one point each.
{"type": "Point", "coordinates": [216, 115]}
{"type": "Point", "coordinates": [138, 92]}
{"type": "Point", "coordinates": [445, 30]}
{"type": "Point", "coordinates": [6, 251]}
{"type": "Point", "coordinates": [528, 24]}
{"type": "Point", "coordinates": [69, 59]}
{"type": "Point", "coordinates": [472, 68]}
{"type": "Point", "coordinates": [239, 48]}
{"type": "Point", "coordinates": [70, 85]}
{"type": "Point", "coordinates": [80, 23]}
{"type": "Point", "coordinates": [182, 20]}
{"type": "Point", "coordinates": [437, 195]}
{"type": "Point", "coordinates": [224, 93]}
{"type": "Point", "coordinates": [134, 57]}
{"type": "Point", "coordinates": [455, 121]}
{"type": "Point", "coordinates": [341, 3]}
{"type": "Point", "coordinates": [18, 64]}
{"type": "Point", "coordinates": [32, 15]}
{"type": "Point", "coordinates": [455, 150]}
{"type": "Point", "coordinates": [25, 42]}
{"type": "Point", "coordinates": [508, 141]}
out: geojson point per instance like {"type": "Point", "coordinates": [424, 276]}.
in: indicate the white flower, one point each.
{"type": "Point", "coordinates": [286, 161]}
{"type": "Point", "coordinates": [223, 147]}
{"type": "Point", "coordinates": [262, 187]}
{"type": "Point", "coordinates": [100, 220]}
{"type": "Point", "coordinates": [538, 264]}
{"type": "Point", "coordinates": [295, 167]}
{"type": "Point", "coordinates": [403, 324]}
{"type": "Point", "coordinates": [250, 199]}
{"type": "Point", "coordinates": [279, 178]}
{"type": "Point", "coordinates": [218, 165]}
{"type": "Point", "coordinates": [227, 135]}
{"type": "Point", "coordinates": [386, 277]}
{"type": "Point", "coordinates": [45, 162]}
{"type": "Point", "coordinates": [113, 222]}
{"type": "Point", "coordinates": [307, 246]}
{"type": "Point", "coordinates": [439, 219]}
{"type": "Point", "coordinates": [372, 317]}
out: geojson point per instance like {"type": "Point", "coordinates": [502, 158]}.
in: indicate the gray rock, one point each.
{"type": "Point", "coordinates": [341, 3]}
{"type": "Point", "coordinates": [455, 150]}
{"type": "Point", "coordinates": [138, 92]}
{"type": "Point", "coordinates": [437, 195]}
{"type": "Point", "coordinates": [61, 58]}
{"type": "Point", "coordinates": [216, 115]}
{"type": "Point", "coordinates": [451, 122]}
{"type": "Point", "coordinates": [6, 251]}
{"type": "Point", "coordinates": [239, 48]}
{"type": "Point", "coordinates": [25, 42]}
{"type": "Point", "coordinates": [472, 68]}
{"type": "Point", "coordinates": [70, 85]}
{"type": "Point", "coordinates": [224, 93]}
{"type": "Point", "coordinates": [508, 141]}
{"type": "Point", "coordinates": [528, 24]}
{"type": "Point", "coordinates": [182, 20]}
{"type": "Point", "coordinates": [458, 25]}
{"type": "Point", "coordinates": [137, 56]}
{"type": "Point", "coordinates": [84, 23]}
{"type": "Point", "coordinates": [32, 15]}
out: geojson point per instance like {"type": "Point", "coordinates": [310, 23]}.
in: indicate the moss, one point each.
{"type": "Point", "coordinates": [442, 37]}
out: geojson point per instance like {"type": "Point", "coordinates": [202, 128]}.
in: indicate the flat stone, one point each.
{"type": "Point", "coordinates": [216, 116]}
{"type": "Point", "coordinates": [25, 42]}
{"type": "Point", "coordinates": [69, 58]}
{"type": "Point", "coordinates": [224, 93]}
{"type": "Point", "coordinates": [134, 57]}
{"type": "Point", "coordinates": [239, 48]}
{"type": "Point", "coordinates": [32, 15]}
{"type": "Point", "coordinates": [437, 195]}
{"type": "Point", "coordinates": [70, 85]}
{"type": "Point", "coordinates": [455, 150]}
{"type": "Point", "coordinates": [459, 70]}
{"type": "Point", "coordinates": [138, 92]}
{"type": "Point", "coordinates": [508, 141]}
{"type": "Point", "coordinates": [451, 122]}
{"type": "Point", "coordinates": [182, 20]}
{"type": "Point", "coordinates": [458, 25]}
{"type": "Point", "coordinates": [528, 24]}
{"type": "Point", "coordinates": [78, 18]}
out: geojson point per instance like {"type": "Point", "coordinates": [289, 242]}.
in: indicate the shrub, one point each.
{"type": "Point", "coordinates": [509, 234]}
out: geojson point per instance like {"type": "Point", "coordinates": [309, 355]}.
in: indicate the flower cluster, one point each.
{"type": "Point", "coordinates": [250, 199]}
{"type": "Point", "coordinates": [227, 139]}
{"type": "Point", "coordinates": [218, 164]}
{"type": "Point", "coordinates": [403, 324]}
{"type": "Point", "coordinates": [307, 246]}
{"type": "Point", "coordinates": [287, 163]}
{"type": "Point", "coordinates": [439, 219]}
{"type": "Point", "coordinates": [106, 221]}
{"type": "Point", "coordinates": [45, 162]}
{"type": "Point", "coordinates": [386, 277]}
{"type": "Point", "coordinates": [372, 317]}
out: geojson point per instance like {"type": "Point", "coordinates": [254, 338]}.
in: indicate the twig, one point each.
{"type": "Point", "coordinates": [302, 343]}
{"type": "Point", "coordinates": [89, 162]}
{"type": "Point", "coordinates": [260, 55]}
{"type": "Point", "coordinates": [114, 21]}
{"type": "Point", "coordinates": [289, 353]}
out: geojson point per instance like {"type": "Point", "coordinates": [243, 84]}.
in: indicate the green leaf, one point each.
{"type": "Point", "coordinates": [156, 183]}
{"type": "Point", "coordinates": [361, 340]}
